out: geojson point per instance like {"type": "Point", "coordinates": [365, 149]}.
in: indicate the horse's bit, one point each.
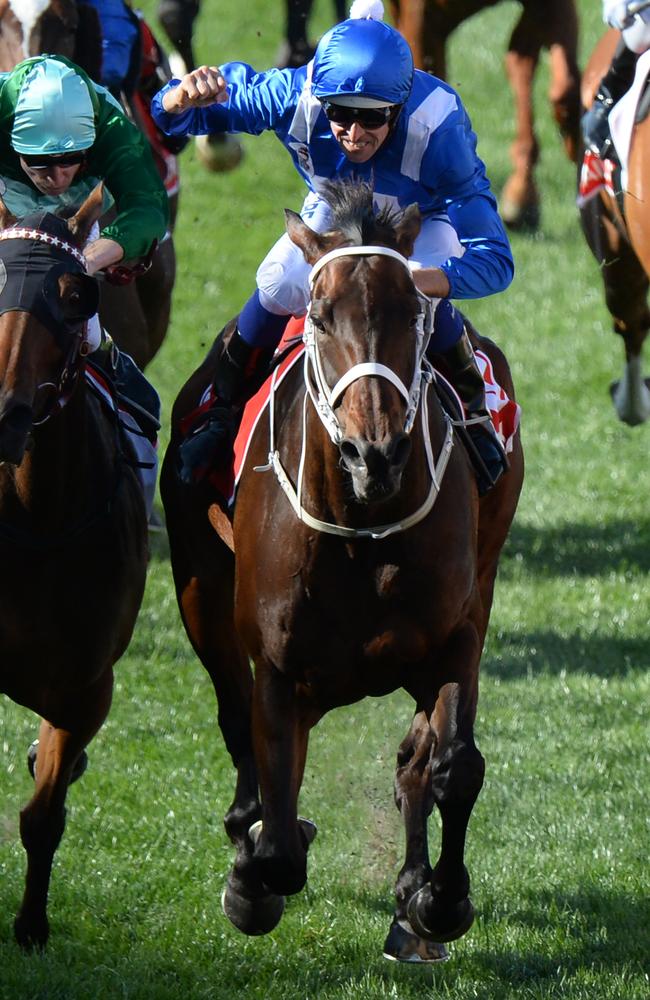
{"type": "Point", "coordinates": [325, 398]}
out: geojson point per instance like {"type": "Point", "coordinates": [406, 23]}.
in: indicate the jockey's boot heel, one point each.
{"type": "Point", "coordinates": [209, 444]}
{"type": "Point", "coordinates": [487, 453]}
{"type": "Point", "coordinates": [616, 82]}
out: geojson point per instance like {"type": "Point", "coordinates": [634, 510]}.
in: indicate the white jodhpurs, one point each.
{"type": "Point", "coordinates": [283, 275]}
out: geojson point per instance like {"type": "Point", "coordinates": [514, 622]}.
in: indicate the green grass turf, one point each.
{"type": "Point", "coordinates": [558, 840]}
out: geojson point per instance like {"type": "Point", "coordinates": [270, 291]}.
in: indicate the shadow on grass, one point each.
{"type": "Point", "coordinates": [578, 549]}
{"type": "Point", "coordinates": [515, 655]}
{"type": "Point", "coordinates": [546, 948]}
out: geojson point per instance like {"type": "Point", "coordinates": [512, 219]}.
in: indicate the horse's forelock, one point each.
{"type": "Point", "coordinates": [354, 213]}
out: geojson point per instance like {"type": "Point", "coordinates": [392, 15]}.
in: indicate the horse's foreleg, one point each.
{"type": "Point", "coordinates": [626, 287]}
{"type": "Point", "coordinates": [155, 294]}
{"type": "Point", "coordinates": [414, 799]}
{"type": "Point", "coordinates": [42, 821]}
{"type": "Point", "coordinates": [561, 38]}
{"type": "Point", "coordinates": [441, 910]}
{"type": "Point", "coordinates": [520, 198]}
{"type": "Point", "coordinates": [425, 27]}
{"type": "Point", "coordinates": [280, 735]}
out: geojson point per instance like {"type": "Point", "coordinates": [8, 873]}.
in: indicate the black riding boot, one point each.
{"type": "Point", "coordinates": [468, 383]}
{"type": "Point", "coordinates": [617, 81]}
{"type": "Point", "coordinates": [134, 391]}
{"type": "Point", "coordinates": [238, 372]}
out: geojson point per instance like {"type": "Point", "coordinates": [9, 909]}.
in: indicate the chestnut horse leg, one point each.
{"type": "Point", "coordinates": [564, 91]}
{"type": "Point", "coordinates": [121, 314]}
{"type": "Point", "coordinates": [155, 290]}
{"type": "Point", "coordinates": [414, 799]}
{"type": "Point", "coordinates": [519, 203]}
{"type": "Point", "coordinates": [426, 28]}
{"type": "Point", "coordinates": [626, 288]}
{"type": "Point", "coordinates": [42, 821]}
{"type": "Point", "coordinates": [551, 25]}
{"type": "Point", "coordinates": [281, 725]}
{"type": "Point", "coordinates": [441, 910]}
{"type": "Point", "coordinates": [203, 569]}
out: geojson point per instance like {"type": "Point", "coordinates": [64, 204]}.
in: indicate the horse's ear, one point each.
{"type": "Point", "coordinates": [85, 218]}
{"type": "Point", "coordinates": [408, 229]}
{"type": "Point", "coordinates": [6, 217]}
{"type": "Point", "coordinates": [312, 244]}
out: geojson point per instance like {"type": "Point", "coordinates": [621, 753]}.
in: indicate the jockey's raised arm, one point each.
{"type": "Point", "coordinates": [359, 110]}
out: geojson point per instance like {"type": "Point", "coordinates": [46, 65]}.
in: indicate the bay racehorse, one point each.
{"type": "Point", "coordinates": [543, 24]}
{"type": "Point", "coordinates": [137, 313]}
{"type": "Point", "coordinates": [73, 529]}
{"type": "Point", "coordinates": [374, 571]}
{"type": "Point", "coordinates": [617, 230]}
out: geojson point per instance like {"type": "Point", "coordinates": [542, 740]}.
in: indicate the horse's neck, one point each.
{"type": "Point", "coordinates": [62, 472]}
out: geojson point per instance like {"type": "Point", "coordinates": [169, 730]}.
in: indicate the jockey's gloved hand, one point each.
{"type": "Point", "coordinates": [209, 446]}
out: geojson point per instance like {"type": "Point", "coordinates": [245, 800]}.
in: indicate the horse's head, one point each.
{"type": "Point", "coordinates": [365, 334]}
{"type": "Point", "coordinates": [46, 298]}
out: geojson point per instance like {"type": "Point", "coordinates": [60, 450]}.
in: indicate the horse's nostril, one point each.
{"type": "Point", "coordinates": [351, 453]}
{"type": "Point", "coordinates": [400, 451]}
{"type": "Point", "coordinates": [18, 419]}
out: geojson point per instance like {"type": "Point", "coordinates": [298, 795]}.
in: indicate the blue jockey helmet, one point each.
{"type": "Point", "coordinates": [362, 62]}
{"type": "Point", "coordinates": [54, 111]}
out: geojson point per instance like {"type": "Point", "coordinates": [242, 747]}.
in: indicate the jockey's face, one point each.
{"type": "Point", "coordinates": [359, 144]}
{"type": "Point", "coordinates": [50, 177]}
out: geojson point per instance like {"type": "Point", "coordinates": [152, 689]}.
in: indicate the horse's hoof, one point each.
{"type": "Point", "coordinates": [252, 916]}
{"type": "Point", "coordinates": [307, 828]}
{"type": "Point", "coordinates": [31, 935]}
{"type": "Point", "coordinates": [631, 402]}
{"type": "Point", "coordinates": [78, 770]}
{"type": "Point", "coordinates": [219, 153]}
{"type": "Point", "coordinates": [520, 217]}
{"type": "Point", "coordinates": [453, 921]}
{"type": "Point", "coordinates": [402, 945]}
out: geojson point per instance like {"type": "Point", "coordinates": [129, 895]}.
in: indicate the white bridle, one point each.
{"type": "Point", "coordinates": [324, 399]}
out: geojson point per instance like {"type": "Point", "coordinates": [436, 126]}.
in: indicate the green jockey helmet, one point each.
{"type": "Point", "coordinates": [54, 112]}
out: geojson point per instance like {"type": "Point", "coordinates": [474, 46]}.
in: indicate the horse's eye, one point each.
{"type": "Point", "coordinates": [74, 298]}
{"type": "Point", "coordinates": [318, 324]}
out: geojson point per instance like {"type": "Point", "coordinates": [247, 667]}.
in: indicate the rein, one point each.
{"type": "Point", "coordinates": [325, 398]}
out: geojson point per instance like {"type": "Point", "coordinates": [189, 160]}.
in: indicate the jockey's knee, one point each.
{"type": "Point", "coordinates": [281, 293]}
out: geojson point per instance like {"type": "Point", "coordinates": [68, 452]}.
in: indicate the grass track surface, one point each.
{"type": "Point", "coordinates": [558, 841]}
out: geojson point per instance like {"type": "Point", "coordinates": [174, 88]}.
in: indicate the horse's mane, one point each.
{"type": "Point", "coordinates": [355, 216]}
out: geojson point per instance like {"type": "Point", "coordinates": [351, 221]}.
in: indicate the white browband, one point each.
{"type": "Point", "coordinates": [19, 233]}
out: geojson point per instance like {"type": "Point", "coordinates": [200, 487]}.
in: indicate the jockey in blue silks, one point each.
{"type": "Point", "coordinates": [120, 44]}
{"type": "Point", "coordinates": [359, 110]}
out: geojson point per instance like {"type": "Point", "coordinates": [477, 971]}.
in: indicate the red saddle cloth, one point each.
{"type": "Point", "coordinates": [504, 411]}
{"type": "Point", "coordinates": [596, 175]}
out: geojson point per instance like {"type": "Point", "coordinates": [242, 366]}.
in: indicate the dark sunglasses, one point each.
{"type": "Point", "coordinates": [370, 118]}
{"type": "Point", "coordinates": [41, 162]}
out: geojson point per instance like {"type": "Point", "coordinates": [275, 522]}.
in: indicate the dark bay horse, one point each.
{"type": "Point", "coordinates": [375, 571]}
{"type": "Point", "coordinates": [73, 528]}
{"type": "Point", "coordinates": [136, 314]}
{"type": "Point", "coordinates": [544, 24]}
{"type": "Point", "coordinates": [618, 234]}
